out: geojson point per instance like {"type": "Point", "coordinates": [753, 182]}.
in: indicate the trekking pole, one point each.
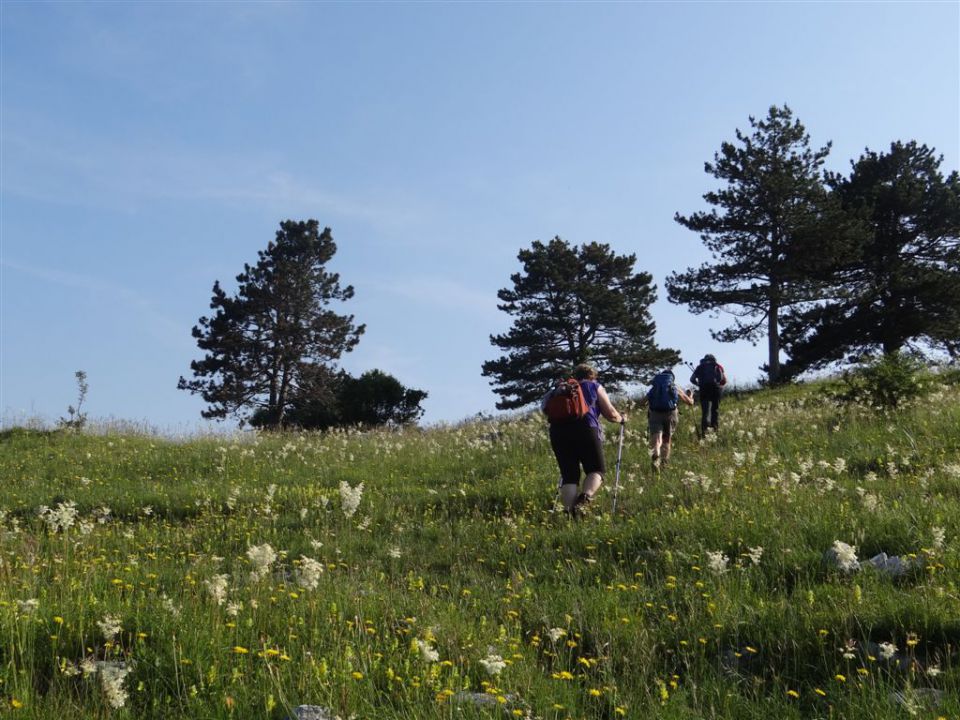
{"type": "Point", "coordinates": [616, 486]}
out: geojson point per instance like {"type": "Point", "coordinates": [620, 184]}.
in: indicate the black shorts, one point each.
{"type": "Point", "coordinates": [574, 444]}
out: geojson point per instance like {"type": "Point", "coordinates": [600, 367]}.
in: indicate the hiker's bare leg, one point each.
{"type": "Point", "coordinates": [592, 483]}
{"type": "Point", "coordinates": [655, 440]}
{"type": "Point", "coordinates": [568, 494]}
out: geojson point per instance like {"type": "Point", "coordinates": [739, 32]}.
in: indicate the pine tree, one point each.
{"type": "Point", "coordinates": [896, 277]}
{"type": "Point", "coordinates": [773, 192]}
{"type": "Point", "coordinates": [264, 342]}
{"type": "Point", "coordinates": [573, 305]}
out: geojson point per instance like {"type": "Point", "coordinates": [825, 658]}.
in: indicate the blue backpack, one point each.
{"type": "Point", "coordinates": [663, 393]}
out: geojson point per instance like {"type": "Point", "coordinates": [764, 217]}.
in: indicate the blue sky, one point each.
{"type": "Point", "coordinates": [151, 148]}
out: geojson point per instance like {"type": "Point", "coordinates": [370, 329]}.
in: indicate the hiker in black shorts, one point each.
{"type": "Point", "coordinates": [579, 442]}
{"type": "Point", "coordinates": [710, 378]}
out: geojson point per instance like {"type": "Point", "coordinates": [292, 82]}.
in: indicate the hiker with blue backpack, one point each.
{"type": "Point", "coordinates": [710, 378]}
{"type": "Point", "coordinates": [663, 397]}
{"type": "Point", "coordinates": [574, 408]}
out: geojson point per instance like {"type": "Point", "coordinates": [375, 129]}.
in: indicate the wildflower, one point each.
{"type": "Point", "coordinates": [217, 588]}
{"type": "Point", "coordinates": [350, 498]}
{"type": "Point", "coordinates": [717, 562]}
{"type": "Point", "coordinates": [394, 552]}
{"type": "Point", "coordinates": [27, 607]}
{"type": "Point", "coordinates": [755, 554]}
{"type": "Point", "coordinates": [845, 556]}
{"type": "Point", "coordinates": [819, 692]}
{"type": "Point", "coordinates": [109, 626]}
{"type": "Point", "coordinates": [933, 671]}
{"type": "Point", "coordinates": [310, 572]}
{"type": "Point", "coordinates": [262, 557]}
{"type": "Point", "coordinates": [793, 693]}
{"type": "Point", "coordinates": [840, 678]}
{"type": "Point", "coordinates": [62, 518]}
{"type": "Point", "coordinates": [939, 537]}
{"type": "Point", "coordinates": [356, 675]}
{"type": "Point", "coordinates": [493, 664]}
{"type": "Point", "coordinates": [427, 652]}
{"type": "Point", "coordinates": [234, 608]}
{"type": "Point", "coordinates": [111, 680]}
{"type": "Point", "coordinates": [240, 650]}
{"type": "Point", "coordinates": [887, 650]}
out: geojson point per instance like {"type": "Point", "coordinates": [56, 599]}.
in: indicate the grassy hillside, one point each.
{"type": "Point", "coordinates": [427, 574]}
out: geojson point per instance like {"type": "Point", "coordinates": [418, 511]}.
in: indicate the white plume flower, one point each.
{"type": "Point", "coordinates": [350, 498]}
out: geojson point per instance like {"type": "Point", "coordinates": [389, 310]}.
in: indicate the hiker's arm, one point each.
{"type": "Point", "coordinates": [543, 403]}
{"type": "Point", "coordinates": [687, 398]}
{"type": "Point", "coordinates": [607, 408]}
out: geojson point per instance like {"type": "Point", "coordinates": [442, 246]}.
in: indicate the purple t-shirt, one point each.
{"type": "Point", "coordinates": [591, 391]}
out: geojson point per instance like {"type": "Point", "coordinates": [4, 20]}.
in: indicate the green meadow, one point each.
{"type": "Point", "coordinates": [428, 573]}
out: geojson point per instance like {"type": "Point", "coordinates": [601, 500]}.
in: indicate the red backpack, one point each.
{"type": "Point", "coordinates": [566, 402]}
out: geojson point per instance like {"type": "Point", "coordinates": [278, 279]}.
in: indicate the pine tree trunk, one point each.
{"type": "Point", "coordinates": [773, 343]}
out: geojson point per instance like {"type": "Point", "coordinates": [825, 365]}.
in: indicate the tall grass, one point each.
{"type": "Point", "coordinates": [456, 582]}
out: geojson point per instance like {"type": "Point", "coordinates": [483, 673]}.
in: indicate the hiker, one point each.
{"type": "Point", "coordinates": [710, 378]}
{"type": "Point", "coordinates": [578, 441]}
{"type": "Point", "coordinates": [662, 417]}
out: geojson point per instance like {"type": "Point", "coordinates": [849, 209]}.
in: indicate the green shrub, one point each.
{"type": "Point", "coordinates": [886, 381]}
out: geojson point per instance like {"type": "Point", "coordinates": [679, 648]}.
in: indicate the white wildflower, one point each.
{"type": "Point", "coordinates": [845, 556]}
{"type": "Point", "coordinates": [102, 514]}
{"type": "Point", "coordinates": [427, 651]}
{"type": "Point", "coordinates": [109, 626]}
{"type": "Point", "coordinates": [111, 680]}
{"type": "Point", "coordinates": [310, 572]}
{"type": "Point", "coordinates": [85, 527]}
{"type": "Point", "coordinates": [717, 562]}
{"type": "Point", "coordinates": [556, 633]}
{"type": "Point", "coordinates": [939, 537]}
{"type": "Point", "coordinates": [233, 608]}
{"type": "Point", "coordinates": [394, 552]}
{"type": "Point", "coordinates": [217, 588]}
{"type": "Point", "coordinates": [887, 650]}
{"type": "Point", "coordinates": [169, 605]}
{"type": "Point", "coordinates": [88, 666]}
{"type": "Point", "coordinates": [262, 557]}
{"type": "Point", "coordinates": [60, 519]}
{"type": "Point", "coordinates": [27, 606]}
{"type": "Point", "coordinates": [933, 671]}
{"type": "Point", "coordinates": [848, 650]}
{"type": "Point", "coordinates": [350, 498]}
{"type": "Point", "coordinates": [839, 465]}
{"type": "Point", "coordinates": [755, 554]}
{"type": "Point", "coordinates": [493, 664]}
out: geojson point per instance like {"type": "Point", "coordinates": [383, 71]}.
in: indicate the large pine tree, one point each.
{"type": "Point", "coordinates": [268, 340]}
{"type": "Point", "coordinates": [895, 277]}
{"type": "Point", "coordinates": [773, 190]}
{"type": "Point", "coordinates": [574, 305]}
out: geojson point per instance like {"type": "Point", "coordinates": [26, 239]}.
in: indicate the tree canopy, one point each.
{"type": "Point", "coordinates": [338, 399]}
{"type": "Point", "coordinates": [572, 305]}
{"type": "Point", "coordinates": [277, 333]}
{"type": "Point", "coordinates": [773, 191]}
{"type": "Point", "coordinates": [895, 278]}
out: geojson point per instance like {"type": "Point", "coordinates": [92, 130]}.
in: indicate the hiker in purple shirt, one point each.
{"type": "Point", "coordinates": [579, 442]}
